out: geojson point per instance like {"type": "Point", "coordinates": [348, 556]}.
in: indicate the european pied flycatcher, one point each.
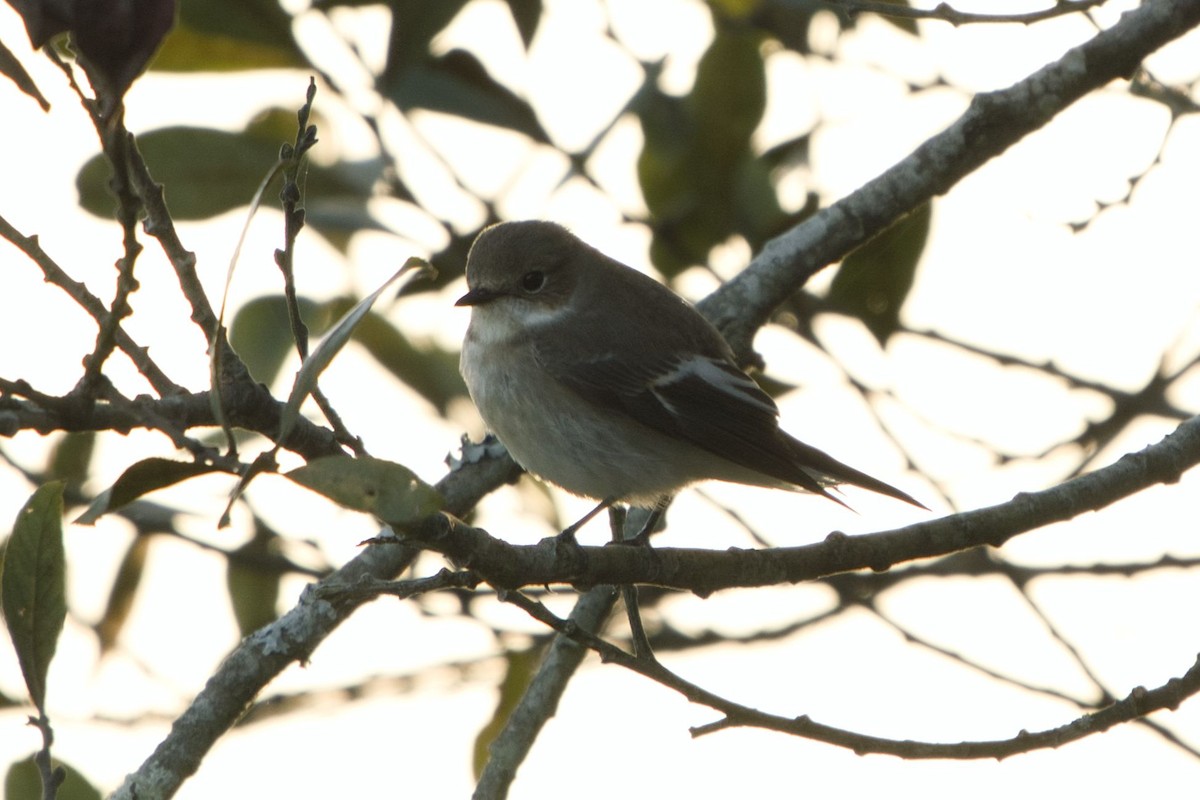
{"type": "Point", "coordinates": [603, 381]}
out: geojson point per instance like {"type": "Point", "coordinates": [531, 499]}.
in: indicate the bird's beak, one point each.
{"type": "Point", "coordinates": [477, 297]}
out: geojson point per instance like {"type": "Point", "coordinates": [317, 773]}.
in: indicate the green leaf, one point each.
{"type": "Point", "coordinates": [209, 172]}
{"type": "Point", "coordinates": [390, 491]}
{"type": "Point", "coordinates": [142, 478]}
{"type": "Point", "coordinates": [521, 666]}
{"type": "Point", "coordinates": [206, 172]}
{"type": "Point", "coordinates": [697, 169]}
{"type": "Point", "coordinates": [729, 96]}
{"type": "Point", "coordinates": [431, 372]}
{"type": "Point", "coordinates": [414, 24]}
{"type": "Point", "coordinates": [906, 24]}
{"type": "Point", "coordinates": [23, 780]}
{"type": "Point", "coordinates": [121, 595]}
{"type": "Point", "coordinates": [254, 589]}
{"type": "Point", "coordinates": [33, 586]}
{"type": "Point", "coordinates": [875, 279]}
{"type": "Point", "coordinates": [230, 35]}
{"type": "Point", "coordinates": [71, 458]}
{"type": "Point", "coordinates": [332, 343]}
{"type": "Point", "coordinates": [458, 84]}
{"type": "Point", "coordinates": [262, 335]}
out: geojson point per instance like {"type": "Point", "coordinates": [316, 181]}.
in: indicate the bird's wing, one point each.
{"type": "Point", "coordinates": [708, 401]}
{"type": "Point", "coordinates": [703, 399]}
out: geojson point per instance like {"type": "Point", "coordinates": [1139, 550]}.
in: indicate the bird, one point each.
{"type": "Point", "coordinates": [603, 381]}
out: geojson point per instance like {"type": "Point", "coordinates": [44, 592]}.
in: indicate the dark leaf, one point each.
{"type": "Point", "coordinates": [45, 19]}
{"type": "Point", "coordinates": [793, 152]}
{"type": "Point", "coordinates": [457, 84]}
{"type": "Point", "coordinates": [788, 22]}
{"type": "Point", "coordinates": [520, 667]}
{"type": "Point", "coordinates": [390, 491]}
{"type": "Point", "coordinates": [124, 590]}
{"type": "Point", "coordinates": [527, 14]}
{"type": "Point", "coordinates": [11, 67]}
{"type": "Point", "coordinates": [414, 24]}
{"type": "Point", "coordinates": [906, 24]}
{"type": "Point", "coordinates": [729, 96]}
{"type": "Point", "coordinates": [332, 343]}
{"type": "Point", "coordinates": [253, 587]}
{"type": "Point", "coordinates": [430, 371]}
{"type": "Point", "coordinates": [209, 172]}
{"type": "Point", "coordinates": [697, 168]}
{"type": "Point", "coordinates": [71, 458]}
{"type": "Point", "coordinates": [223, 35]}
{"type": "Point", "coordinates": [142, 478]}
{"type": "Point", "coordinates": [451, 260]}
{"type": "Point", "coordinates": [116, 38]}
{"type": "Point", "coordinates": [262, 335]}
{"type": "Point", "coordinates": [875, 279]}
{"type": "Point", "coordinates": [33, 586]}
{"type": "Point", "coordinates": [24, 781]}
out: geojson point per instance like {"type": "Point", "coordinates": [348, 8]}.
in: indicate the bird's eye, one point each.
{"type": "Point", "coordinates": [533, 281]}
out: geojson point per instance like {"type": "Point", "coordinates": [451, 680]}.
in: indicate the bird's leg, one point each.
{"type": "Point", "coordinates": [568, 533]}
{"type": "Point", "coordinates": [629, 591]}
{"type": "Point", "coordinates": [652, 519]}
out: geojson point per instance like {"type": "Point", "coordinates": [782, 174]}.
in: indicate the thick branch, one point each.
{"type": "Point", "coordinates": [994, 122]}
{"type": "Point", "coordinates": [1136, 705]}
{"type": "Point", "coordinates": [511, 566]}
{"type": "Point", "coordinates": [291, 638]}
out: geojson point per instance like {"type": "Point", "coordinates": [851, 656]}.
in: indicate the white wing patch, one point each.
{"type": "Point", "coordinates": [719, 375]}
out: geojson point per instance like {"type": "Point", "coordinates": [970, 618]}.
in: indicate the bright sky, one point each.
{"type": "Point", "coordinates": [1002, 270]}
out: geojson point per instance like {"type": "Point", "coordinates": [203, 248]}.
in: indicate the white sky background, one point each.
{"type": "Point", "coordinates": [1002, 270]}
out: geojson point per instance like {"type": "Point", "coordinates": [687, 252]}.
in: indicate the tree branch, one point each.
{"type": "Point", "coordinates": [994, 122]}
{"type": "Point", "coordinates": [1136, 705]}
{"type": "Point", "coordinates": [700, 571]}
{"type": "Point", "coordinates": [291, 638]}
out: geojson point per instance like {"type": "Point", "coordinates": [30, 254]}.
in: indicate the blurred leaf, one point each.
{"type": "Point", "coordinates": [729, 96]}
{"type": "Point", "coordinates": [262, 335]}
{"type": "Point", "coordinates": [698, 171]}
{"type": "Point", "coordinates": [123, 591]}
{"type": "Point", "coordinates": [390, 491]}
{"type": "Point", "coordinates": [414, 24]}
{"type": "Point", "coordinates": [451, 260]}
{"type": "Point", "coordinates": [789, 23]}
{"type": "Point", "coordinates": [756, 206]}
{"type": "Point", "coordinates": [254, 590]}
{"type": "Point", "coordinates": [228, 35]}
{"type": "Point", "coordinates": [906, 24]}
{"type": "Point", "coordinates": [208, 172]}
{"type": "Point", "coordinates": [735, 9]}
{"type": "Point", "coordinates": [526, 14]}
{"type": "Point", "coordinates": [33, 586]}
{"type": "Point", "coordinates": [662, 164]}
{"type": "Point", "coordinates": [332, 343]}
{"type": "Point", "coordinates": [875, 279]}
{"type": "Point", "coordinates": [71, 458]}
{"type": "Point", "coordinates": [458, 84]}
{"type": "Point", "coordinates": [791, 152]}
{"type": "Point", "coordinates": [520, 667]}
{"type": "Point", "coordinates": [11, 67]}
{"type": "Point", "coordinates": [24, 781]}
{"type": "Point", "coordinates": [431, 372]}
{"type": "Point", "coordinates": [142, 478]}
